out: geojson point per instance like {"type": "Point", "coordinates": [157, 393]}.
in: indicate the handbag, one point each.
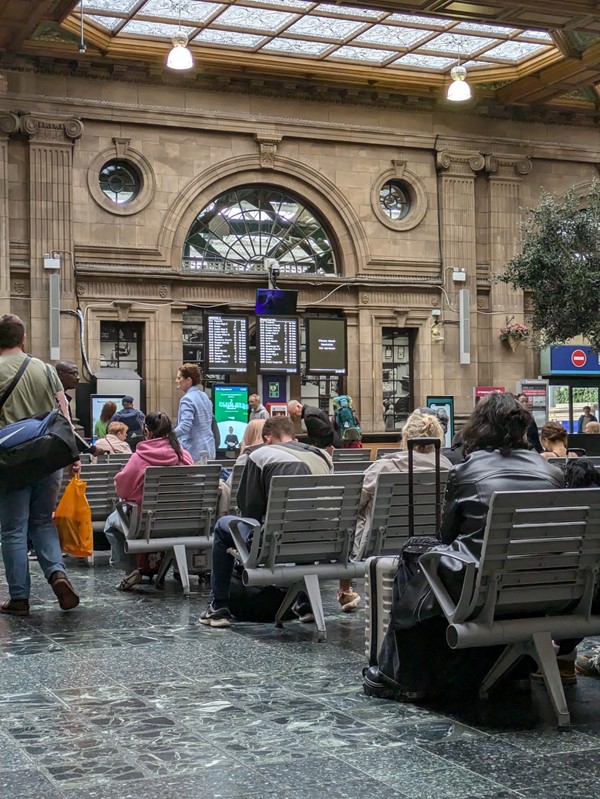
{"type": "Point", "coordinates": [73, 519]}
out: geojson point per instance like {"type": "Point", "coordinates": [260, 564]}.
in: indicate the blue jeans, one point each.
{"type": "Point", "coordinates": [222, 561]}
{"type": "Point", "coordinates": [28, 513]}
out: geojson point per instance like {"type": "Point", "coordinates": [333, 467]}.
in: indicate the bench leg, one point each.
{"type": "Point", "coordinates": [287, 603]}
{"type": "Point", "coordinates": [546, 658]}
{"type": "Point", "coordinates": [509, 656]}
{"type": "Point", "coordinates": [314, 594]}
{"type": "Point", "coordinates": [181, 559]}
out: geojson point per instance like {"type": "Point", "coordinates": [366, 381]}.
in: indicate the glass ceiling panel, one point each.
{"type": "Point", "coordinates": [367, 36]}
{"type": "Point", "coordinates": [155, 29]}
{"type": "Point", "coordinates": [363, 54]}
{"type": "Point", "coordinates": [325, 28]}
{"type": "Point", "coordinates": [258, 19]}
{"type": "Point", "coordinates": [392, 35]}
{"type": "Point", "coordinates": [194, 12]}
{"type": "Point", "coordinates": [297, 46]}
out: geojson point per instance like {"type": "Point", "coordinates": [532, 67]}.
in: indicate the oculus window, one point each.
{"type": "Point", "coordinates": [242, 229]}
{"type": "Point", "coordinates": [120, 181]}
{"type": "Point", "coordinates": [395, 199]}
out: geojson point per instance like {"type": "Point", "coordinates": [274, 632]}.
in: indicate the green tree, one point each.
{"type": "Point", "coordinates": [559, 265]}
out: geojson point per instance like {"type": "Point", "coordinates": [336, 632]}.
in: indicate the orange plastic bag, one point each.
{"type": "Point", "coordinates": [73, 518]}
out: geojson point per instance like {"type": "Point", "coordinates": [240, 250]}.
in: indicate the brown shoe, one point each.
{"type": "Point", "coordinates": [566, 669]}
{"type": "Point", "coordinates": [16, 607]}
{"type": "Point", "coordinates": [67, 598]}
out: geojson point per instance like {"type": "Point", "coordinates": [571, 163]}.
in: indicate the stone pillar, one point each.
{"type": "Point", "coordinates": [51, 141]}
{"type": "Point", "coordinates": [505, 176]}
{"type": "Point", "coordinates": [9, 123]}
{"type": "Point", "coordinates": [458, 170]}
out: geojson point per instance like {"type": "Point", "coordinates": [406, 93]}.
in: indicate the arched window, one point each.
{"type": "Point", "coordinates": [242, 228]}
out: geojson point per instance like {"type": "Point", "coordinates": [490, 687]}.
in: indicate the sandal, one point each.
{"type": "Point", "coordinates": [127, 583]}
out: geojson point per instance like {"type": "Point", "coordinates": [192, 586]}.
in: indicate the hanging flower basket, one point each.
{"type": "Point", "coordinates": [514, 335]}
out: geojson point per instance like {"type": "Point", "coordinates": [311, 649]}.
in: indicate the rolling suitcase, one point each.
{"type": "Point", "coordinates": [380, 572]}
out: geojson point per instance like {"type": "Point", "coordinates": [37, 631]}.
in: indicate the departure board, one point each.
{"type": "Point", "coordinates": [278, 340]}
{"type": "Point", "coordinates": [326, 352]}
{"type": "Point", "coordinates": [226, 344]}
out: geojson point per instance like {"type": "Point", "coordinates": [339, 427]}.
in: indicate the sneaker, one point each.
{"type": "Point", "coordinates": [304, 612]}
{"type": "Point", "coordinates": [588, 666]}
{"type": "Point", "coordinates": [349, 600]}
{"type": "Point", "coordinates": [16, 607]}
{"type": "Point", "coordinates": [215, 618]}
{"type": "Point", "coordinates": [566, 669]}
{"type": "Point", "coordinates": [65, 593]}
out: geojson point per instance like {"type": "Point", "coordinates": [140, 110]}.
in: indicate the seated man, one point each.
{"type": "Point", "coordinates": [282, 456]}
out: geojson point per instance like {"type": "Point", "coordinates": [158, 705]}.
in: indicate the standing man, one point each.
{"type": "Point", "coordinates": [28, 512]}
{"type": "Point", "coordinates": [318, 425]}
{"type": "Point", "coordinates": [195, 417]}
{"type": "Point", "coordinates": [286, 458]}
{"type": "Point", "coordinates": [68, 374]}
{"type": "Point", "coordinates": [257, 410]}
{"type": "Point", "coordinates": [130, 416]}
{"type": "Point", "coordinates": [533, 435]}
{"type": "Point", "coordinates": [586, 416]}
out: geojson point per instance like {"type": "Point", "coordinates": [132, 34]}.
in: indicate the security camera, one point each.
{"type": "Point", "coordinates": [275, 273]}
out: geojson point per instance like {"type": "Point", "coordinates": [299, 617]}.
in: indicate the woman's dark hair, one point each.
{"type": "Point", "coordinates": [554, 432]}
{"type": "Point", "coordinates": [192, 371]}
{"type": "Point", "coordinates": [160, 426]}
{"type": "Point", "coordinates": [108, 411]}
{"type": "Point", "coordinates": [581, 473]}
{"type": "Point", "coordinates": [499, 421]}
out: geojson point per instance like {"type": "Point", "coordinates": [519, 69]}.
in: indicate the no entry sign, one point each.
{"type": "Point", "coordinates": [578, 358]}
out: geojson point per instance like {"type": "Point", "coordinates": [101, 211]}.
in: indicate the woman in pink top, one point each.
{"type": "Point", "coordinates": [160, 448]}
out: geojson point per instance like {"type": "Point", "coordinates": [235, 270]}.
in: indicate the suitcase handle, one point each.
{"type": "Point", "coordinates": [423, 442]}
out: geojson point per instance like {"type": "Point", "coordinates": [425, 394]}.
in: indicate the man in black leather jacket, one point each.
{"type": "Point", "coordinates": [415, 659]}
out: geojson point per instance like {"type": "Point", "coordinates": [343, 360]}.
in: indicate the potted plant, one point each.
{"type": "Point", "coordinates": [513, 334]}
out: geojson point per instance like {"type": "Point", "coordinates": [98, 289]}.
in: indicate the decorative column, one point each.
{"type": "Point", "coordinates": [51, 141]}
{"type": "Point", "coordinates": [9, 123]}
{"type": "Point", "coordinates": [458, 170]}
{"type": "Point", "coordinates": [505, 176]}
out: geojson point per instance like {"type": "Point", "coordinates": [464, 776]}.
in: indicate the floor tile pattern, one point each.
{"type": "Point", "coordinates": [128, 697]}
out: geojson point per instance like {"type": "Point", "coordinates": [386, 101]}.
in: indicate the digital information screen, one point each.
{"type": "Point", "coordinates": [231, 412]}
{"type": "Point", "coordinates": [326, 352]}
{"type": "Point", "coordinates": [226, 344]}
{"type": "Point", "coordinates": [278, 340]}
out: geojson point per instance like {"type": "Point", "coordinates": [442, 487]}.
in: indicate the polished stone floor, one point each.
{"type": "Point", "coordinates": [128, 697]}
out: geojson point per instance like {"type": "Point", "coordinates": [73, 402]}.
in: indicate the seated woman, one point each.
{"type": "Point", "coordinates": [114, 440]}
{"type": "Point", "coordinates": [251, 440]}
{"type": "Point", "coordinates": [161, 447]}
{"type": "Point", "coordinates": [418, 425]}
{"type": "Point", "coordinates": [415, 661]}
{"type": "Point", "coordinates": [554, 440]}
{"type": "Point", "coordinates": [593, 428]}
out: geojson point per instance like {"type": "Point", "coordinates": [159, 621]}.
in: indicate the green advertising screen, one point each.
{"type": "Point", "coordinates": [231, 411]}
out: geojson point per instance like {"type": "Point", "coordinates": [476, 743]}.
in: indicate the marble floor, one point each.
{"type": "Point", "coordinates": [128, 697]}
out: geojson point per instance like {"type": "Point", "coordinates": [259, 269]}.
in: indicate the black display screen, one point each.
{"type": "Point", "coordinates": [326, 349]}
{"type": "Point", "coordinates": [276, 302]}
{"type": "Point", "coordinates": [277, 345]}
{"type": "Point", "coordinates": [226, 344]}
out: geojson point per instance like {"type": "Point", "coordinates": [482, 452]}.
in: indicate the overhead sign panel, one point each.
{"type": "Point", "coordinates": [569, 359]}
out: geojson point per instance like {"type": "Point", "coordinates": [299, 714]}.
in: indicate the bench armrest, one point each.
{"type": "Point", "coordinates": [458, 612]}
{"type": "Point", "coordinates": [241, 544]}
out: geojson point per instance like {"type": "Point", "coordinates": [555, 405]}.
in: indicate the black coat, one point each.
{"type": "Point", "coordinates": [417, 628]}
{"type": "Point", "coordinates": [319, 428]}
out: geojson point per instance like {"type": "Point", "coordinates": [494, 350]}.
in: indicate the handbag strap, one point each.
{"type": "Point", "coordinates": [14, 381]}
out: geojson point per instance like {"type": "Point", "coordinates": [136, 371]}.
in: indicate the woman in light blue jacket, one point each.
{"type": "Point", "coordinates": [194, 420]}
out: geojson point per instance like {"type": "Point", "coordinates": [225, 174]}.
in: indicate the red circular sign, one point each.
{"type": "Point", "coordinates": [578, 358]}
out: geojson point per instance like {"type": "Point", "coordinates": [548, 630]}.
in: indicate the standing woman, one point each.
{"type": "Point", "coordinates": [194, 420]}
{"type": "Point", "coordinates": [101, 427]}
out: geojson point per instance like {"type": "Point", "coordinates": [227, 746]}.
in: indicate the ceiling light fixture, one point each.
{"type": "Point", "coordinates": [459, 90]}
{"type": "Point", "coordinates": [180, 56]}
{"type": "Point", "coordinates": [81, 39]}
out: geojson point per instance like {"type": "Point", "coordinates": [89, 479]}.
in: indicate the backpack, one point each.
{"type": "Point", "coordinates": [344, 416]}
{"type": "Point", "coordinates": [34, 448]}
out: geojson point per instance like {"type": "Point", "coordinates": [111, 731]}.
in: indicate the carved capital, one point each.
{"type": "Point", "coordinates": [460, 162]}
{"type": "Point", "coordinates": [507, 167]}
{"type": "Point", "coordinates": [51, 130]}
{"type": "Point", "coordinates": [9, 123]}
{"type": "Point", "coordinates": [267, 145]}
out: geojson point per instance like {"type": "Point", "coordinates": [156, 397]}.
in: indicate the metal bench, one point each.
{"type": "Point", "coordinates": [350, 467]}
{"type": "Point", "coordinates": [236, 479]}
{"type": "Point", "coordinates": [120, 458]}
{"type": "Point", "coordinates": [177, 513]}
{"type": "Point", "coordinates": [344, 455]}
{"type": "Point", "coordinates": [540, 559]}
{"type": "Point", "coordinates": [307, 536]}
{"type": "Point", "coordinates": [386, 451]}
{"type": "Point", "coordinates": [391, 522]}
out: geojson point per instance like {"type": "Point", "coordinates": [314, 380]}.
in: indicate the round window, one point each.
{"type": "Point", "coordinates": [120, 181]}
{"type": "Point", "coordinates": [395, 199]}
